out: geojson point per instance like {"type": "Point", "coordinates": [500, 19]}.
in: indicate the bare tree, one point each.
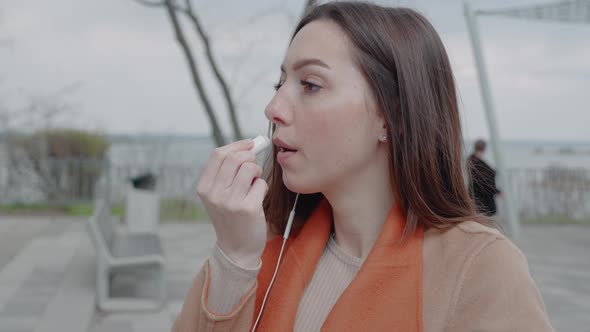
{"type": "Point", "coordinates": [172, 10]}
{"type": "Point", "coordinates": [187, 9]}
{"type": "Point", "coordinates": [39, 160]}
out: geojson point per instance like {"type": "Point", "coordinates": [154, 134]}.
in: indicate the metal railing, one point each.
{"type": "Point", "coordinates": [551, 191]}
{"type": "Point", "coordinates": [536, 191]}
{"type": "Point", "coordinates": [52, 181]}
{"type": "Point", "coordinates": [64, 181]}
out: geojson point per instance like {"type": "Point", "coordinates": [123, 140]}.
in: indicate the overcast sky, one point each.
{"type": "Point", "coordinates": [131, 77]}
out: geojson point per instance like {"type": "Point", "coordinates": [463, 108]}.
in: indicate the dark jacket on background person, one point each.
{"type": "Point", "coordinates": [482, 185]}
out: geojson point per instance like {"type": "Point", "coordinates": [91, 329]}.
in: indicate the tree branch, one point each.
{"type": "Point", "coordinates": [217, 134]}
{"type": "Point", "coordinates": [208, 52]}
{"type": "Point", "coordinates": [147, 3]}
{"type": "Point", "coordinates": [173, 9]}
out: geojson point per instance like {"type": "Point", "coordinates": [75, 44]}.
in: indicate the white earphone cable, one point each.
{"type": "Point", "coordinates": [285, 237]}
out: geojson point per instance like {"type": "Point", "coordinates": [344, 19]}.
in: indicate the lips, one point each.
{"type": "Point", "coordinates": [283, 147]}
{"type": "Point", "coordinates": [286, 151]}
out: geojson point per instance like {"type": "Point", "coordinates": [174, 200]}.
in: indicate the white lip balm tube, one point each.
{"type": "Point", "coordinates": [260, 144]}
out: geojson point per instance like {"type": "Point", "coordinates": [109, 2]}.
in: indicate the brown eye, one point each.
{"type": "Point", "coordinates": [309, 87]}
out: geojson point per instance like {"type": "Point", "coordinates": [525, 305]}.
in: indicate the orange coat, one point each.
{"type": "Point", "coordinates": [469, 278]}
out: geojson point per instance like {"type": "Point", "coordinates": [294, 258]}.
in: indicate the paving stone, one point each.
{"type": "Point", "coordinates": [21, 308]}
{"type": "Point", "coordinates": [18, 324]}
{"type": "Point", "coordinates": [557, 257]}
{"type": "Point", "coordinates": [113, 326]}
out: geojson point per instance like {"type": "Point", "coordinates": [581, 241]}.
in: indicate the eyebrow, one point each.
{"type": "Point", "coordinates": [306, 62]}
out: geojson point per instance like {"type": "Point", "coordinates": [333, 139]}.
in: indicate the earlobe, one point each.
{"type": "Point", "coordinates": [383, 136]}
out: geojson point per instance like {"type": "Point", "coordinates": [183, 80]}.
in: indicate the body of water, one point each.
{"type": "Point", "coordinates": [195, 152]}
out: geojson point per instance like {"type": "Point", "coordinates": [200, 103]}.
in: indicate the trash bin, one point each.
{"type": "Point", "coordinates": [145, 181]}
{"type": "Point", "coordinates": [142, 207]}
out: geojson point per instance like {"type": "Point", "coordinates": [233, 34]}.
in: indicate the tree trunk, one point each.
{"type": "Point", "coordinates": [226, 93]}
{"type": "Point", "coordinates": [216, 130]}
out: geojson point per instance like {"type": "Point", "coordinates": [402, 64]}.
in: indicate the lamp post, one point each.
{"type": "Point", "coordinates": [488, 105]}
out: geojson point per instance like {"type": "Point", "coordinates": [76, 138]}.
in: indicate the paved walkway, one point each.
{"type": "Point", "coordinates": [47, 275]}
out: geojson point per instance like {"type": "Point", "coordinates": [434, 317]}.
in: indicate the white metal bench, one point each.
{"type": "Point", "coordinates": [137, 256]}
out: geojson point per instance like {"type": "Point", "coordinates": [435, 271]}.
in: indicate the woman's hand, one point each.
{"type": "Point", "coordinates": [232, 192]}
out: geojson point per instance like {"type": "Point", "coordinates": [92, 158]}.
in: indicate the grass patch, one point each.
{"type": "Point", "coordinates": [181, 210]}
{"type": "Point", "coordinates": [71, 210]}
{"type": "Point", "coordinates": [19, 208]}
{"type": "Point", "coordinates": [556, 219]}
{"type": "Point", "coordinates": [170, 210]}
{"type": "Point", "coordinates": [86, 210]}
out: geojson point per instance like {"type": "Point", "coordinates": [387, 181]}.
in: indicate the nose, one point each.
{"type": "Point", "coordinates": [278, 110]}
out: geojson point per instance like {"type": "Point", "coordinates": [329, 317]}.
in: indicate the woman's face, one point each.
{"type": "Point", "coordinates": [324, 116]}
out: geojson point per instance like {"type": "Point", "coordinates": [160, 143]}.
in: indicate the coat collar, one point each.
{"type": "Point", "coordinates": [385, 294]}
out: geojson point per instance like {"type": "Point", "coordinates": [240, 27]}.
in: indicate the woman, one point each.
{"type": "Point", "coordinates": [367, 141]}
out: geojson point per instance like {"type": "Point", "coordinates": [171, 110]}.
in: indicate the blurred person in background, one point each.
{"type": "Point", "coordinates": [482, 180]}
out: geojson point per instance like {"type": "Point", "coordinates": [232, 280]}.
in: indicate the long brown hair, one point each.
{"type": "Point", "coordinates": [410, 79]}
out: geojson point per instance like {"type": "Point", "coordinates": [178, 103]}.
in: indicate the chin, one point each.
{"type": "Point", "coordinates": [299, 185]}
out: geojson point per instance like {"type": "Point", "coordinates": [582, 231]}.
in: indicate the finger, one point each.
{"type": "Point", "coordinates": [257, 192]}
{"type": "Point", "coordinates": [243, 180]}
{"type": "Point", "coordinates": [231, 165]}
{"type": "Point", "coordinates": [216, 159]}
